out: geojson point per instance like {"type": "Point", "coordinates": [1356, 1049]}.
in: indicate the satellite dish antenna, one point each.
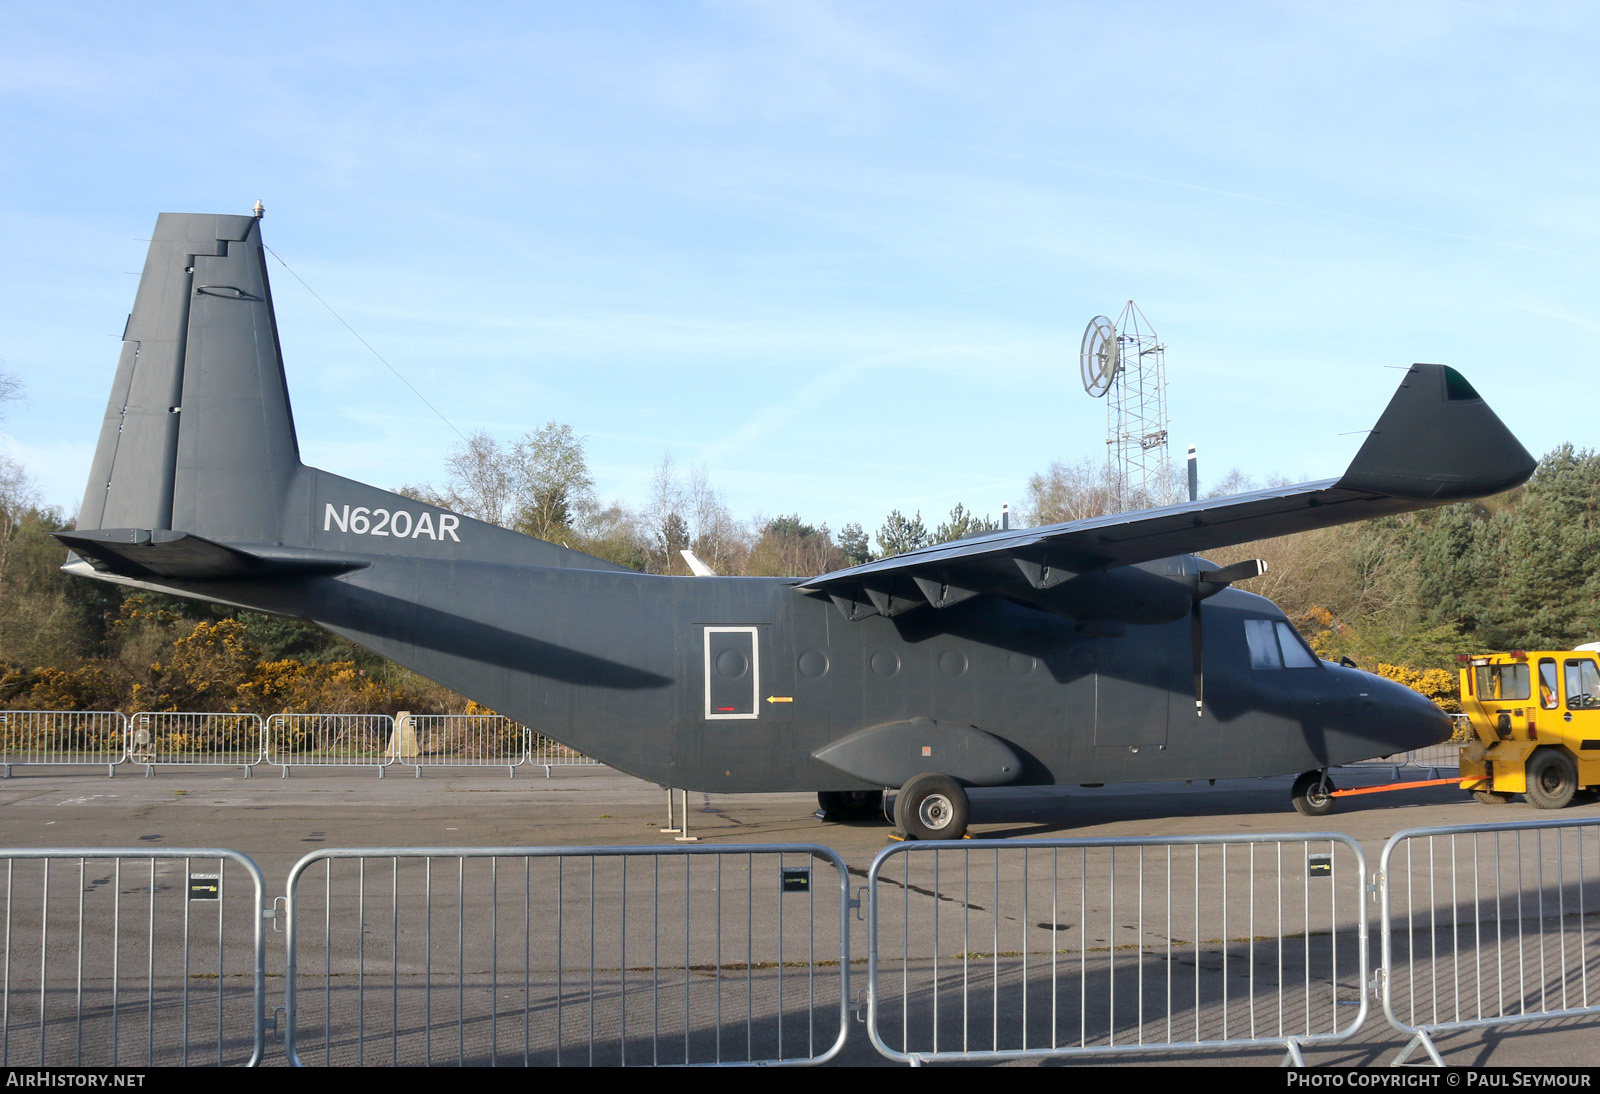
{"type": "Point", "coordinates": [1098, 358]}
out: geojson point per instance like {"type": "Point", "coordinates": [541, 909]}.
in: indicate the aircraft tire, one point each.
{"type": "Point", "coordinates": [1309, 796]}
{"type": "Point", "coordinates": [1552, 779]}
{"type": "Point", "coordinates": [1489, 797]}
{"type": "Point", "coordinates": [932, 806]}
{"type": "Point", "coordinates": [850, 805]}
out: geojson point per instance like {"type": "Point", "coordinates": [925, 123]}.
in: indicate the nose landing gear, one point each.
{"type": "Point", "coordinates": [1312, 793]}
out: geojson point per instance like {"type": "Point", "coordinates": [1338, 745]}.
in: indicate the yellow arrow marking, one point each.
{"type": "Point", "coordinates": [780, 698]}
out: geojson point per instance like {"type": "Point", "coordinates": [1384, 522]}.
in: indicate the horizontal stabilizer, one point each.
{"type": "Point", "coordinates": [155, 553]}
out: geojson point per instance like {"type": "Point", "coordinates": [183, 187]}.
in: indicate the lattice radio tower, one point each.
{"type": "Point", "coordinates": [1127, 361]}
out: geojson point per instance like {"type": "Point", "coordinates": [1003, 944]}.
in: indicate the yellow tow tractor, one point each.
{"type": "Point", "coordinates": [1535, 720]}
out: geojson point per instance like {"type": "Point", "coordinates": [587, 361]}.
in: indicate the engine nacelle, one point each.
{"type": "Point", "coordinates": [1160, 591]}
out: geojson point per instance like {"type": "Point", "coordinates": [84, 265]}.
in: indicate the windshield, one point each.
{"type": "Point", "coordinates": [1274, 644]}
{"type": "Point", "coordinates": [1510, 682]}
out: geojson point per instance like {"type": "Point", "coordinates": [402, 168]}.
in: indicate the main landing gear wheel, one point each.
{"type": "Point", "coordinates": [1312, 794]}
{"type": "Point", "coordinates": [1552, 779]}
{"type": "Point", "coordinates": [850, 805]}
{"type": "Point", "coordinates": [932, 807]}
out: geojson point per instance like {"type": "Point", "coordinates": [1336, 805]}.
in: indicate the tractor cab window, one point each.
{"type": "Point", "coordinates": [1547, 685]}
{"type": "Point", "coordinates": [1504, 682]}
{"type": "Point", "coordinates": [1583, 685]}
{"type": "Point", "coordinates": [1274, 644]}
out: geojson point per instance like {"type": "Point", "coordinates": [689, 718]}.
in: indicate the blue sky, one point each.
{"type": "Point", "coordinates": [840, 254]}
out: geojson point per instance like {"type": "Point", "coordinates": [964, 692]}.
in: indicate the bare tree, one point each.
{"type": "Point", "coordinates": [539, 486]}
{"type": "Point", "coordinates": [1070, 492]}
{"type": "Point", "coordinates": [552, 490]}
{"type": "Point", "coordinates": [663, 517]}
{"type": "Point", "coordinates": [479, 483]}
{"type": "Point", "coordinates": [427, 495]}
{"type": "Point", "coordinates": [1234, 482]}
{"type": "Point", "coordinates": [18, 497]}
{"type": "Point", "coordinates": [10, 391]}
{"type": "Point", "coordinates": [691, 515]}
{"type": "Point", "coordinates": [719, 541]}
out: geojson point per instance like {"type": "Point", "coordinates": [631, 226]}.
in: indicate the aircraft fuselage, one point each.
{"type": "Point", "coordinates": [732, 684]}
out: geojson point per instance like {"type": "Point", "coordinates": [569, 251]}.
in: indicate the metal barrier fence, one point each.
{"type": "Point", "coordinates": [575, 956]}
{"type": "Point", "coordinates": [740, 954]}
{"type": "Point", "coordinates": [120, 957]}
{"type": "Point", "coordinates": [61, 737]}
{"type": "Point", "coordinates": [194, 740]}
{"type": "Point", "coordinates": [1488, 925]}
{"type": "Point", "coordinates": [1445, 756]}
{"type": "Point", "coordinates": [329, 740]}
{"type": "Point", "coordinates": [1099, 946]}
{"type": "Point", "coordinates": [545, 753]}
{"type": "Point", "coordinates": [1437, 758]}
{"type": "Point", "coordinates": [1432, 760]}
{"type": "Point", "coordinates": [459, 740]}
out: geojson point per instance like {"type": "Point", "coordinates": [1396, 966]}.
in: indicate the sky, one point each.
{"type": "Point", "coordinates": [841, 255]}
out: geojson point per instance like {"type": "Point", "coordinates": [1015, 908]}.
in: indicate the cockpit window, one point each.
{"type": "Point", "coordinates": [1296, 654]}
{"type": "Point", "coordinates": [1263, 644]}
{"type": "Point", "coordinates": [1274, 644]}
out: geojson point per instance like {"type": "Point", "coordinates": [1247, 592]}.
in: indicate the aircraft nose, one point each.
{"type": "Point", "coordinates": [1405, 718]}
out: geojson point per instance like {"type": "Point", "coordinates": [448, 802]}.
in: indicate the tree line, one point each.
{"type": "Point", "coordinates": [1404, 593]}
{"type": "Point", "coordinates": [540, 485]}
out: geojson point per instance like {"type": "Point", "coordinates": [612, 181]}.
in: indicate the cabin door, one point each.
{"type": "Point", "coordinates": [1133, 693]}
{"type": "Point", "coordinates": [732, 672]}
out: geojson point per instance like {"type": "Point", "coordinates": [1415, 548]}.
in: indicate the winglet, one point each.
{"type": "Point", "coordinates": [1438, 441]}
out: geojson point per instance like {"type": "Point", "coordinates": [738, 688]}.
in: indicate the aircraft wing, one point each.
{"type": "Point", "coordinates": [1436, 442]}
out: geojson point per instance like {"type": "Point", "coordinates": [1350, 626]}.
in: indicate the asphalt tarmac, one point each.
{"type": "Point", "coordinates": [275, 821]}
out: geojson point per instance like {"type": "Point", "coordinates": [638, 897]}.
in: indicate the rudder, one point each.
{"type": "Point", "coordinates": [198, 433]}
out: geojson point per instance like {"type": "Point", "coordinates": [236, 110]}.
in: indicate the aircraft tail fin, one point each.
{"type": "Point", "coordinates": [198, 433]}
{"type": "Point", "coordinates": [198, 477]}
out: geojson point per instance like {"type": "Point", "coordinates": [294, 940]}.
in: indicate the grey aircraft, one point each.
{"type": "Point", "coordinates": [1095, 651]}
